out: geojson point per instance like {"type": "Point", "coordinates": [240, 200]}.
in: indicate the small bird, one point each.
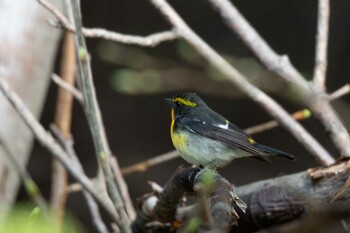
{"type": "Point", "coordinates": [206, 139]}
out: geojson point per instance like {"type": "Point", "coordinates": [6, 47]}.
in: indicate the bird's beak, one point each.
{"type": "Point", "coordinates": [169, 101]}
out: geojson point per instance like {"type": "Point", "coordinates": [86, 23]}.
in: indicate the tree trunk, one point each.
{"type": "Point", "coordinates": [27, 51]}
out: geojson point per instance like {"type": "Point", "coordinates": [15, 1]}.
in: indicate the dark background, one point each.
{"type": "Point", "coordinates": [137, 125]}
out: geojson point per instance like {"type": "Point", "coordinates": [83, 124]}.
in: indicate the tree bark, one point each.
{"type": "Point", "coordinates": [27, 51]}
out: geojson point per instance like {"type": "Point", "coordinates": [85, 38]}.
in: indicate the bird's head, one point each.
{"type": "Point", "coordinates": [184, 103]}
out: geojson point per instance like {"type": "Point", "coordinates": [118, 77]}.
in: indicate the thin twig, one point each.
{"type": "Point", "coordinates": [340, 92]}
{"type": "Point", "coordinates": [322, 44]}
{"type": "Point", "coordinates": [144, 165]}
{"type": "Point", "coordinates": [93, 114]}
{"type": "Point", "coordinates": [123, 188]}
{"type": "Point", "coordinates": [68, 87]}
{"type": "Point", "coordinates": [94, 210]}
{"type": "Point", "coordinates": [48, 142]}
{"type": "Point", "coordinates": [63, 20]}
{"type": "Point", "coordinates": [151, 40]}
{"type": "Point", "coordinates": [312, 95]}
{"type": "Point", "coordinates": [95, 214]}
{"type": "Point", "coordinates": [271, 106]}
{"type": "Point", "coordinates": [63, 116]}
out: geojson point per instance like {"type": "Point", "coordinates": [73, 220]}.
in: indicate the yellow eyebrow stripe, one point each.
{"type": "Point", "coordinates": [185, 102]}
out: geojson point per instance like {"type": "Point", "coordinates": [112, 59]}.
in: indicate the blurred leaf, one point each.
{"type": "Point", "coordinates": [188, 53]}
{"type": "Point", "coordinates": [193, 225]}
{"type": "Point", "coordinates": [130, 81]}
{"type": "Point", "coordinates": [26, 219]}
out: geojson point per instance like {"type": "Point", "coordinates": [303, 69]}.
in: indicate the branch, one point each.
{"type": "Point", "coordinates": [67, 143]}
{"type": "Point", "coordinates": [164, 207]}
{"type": "Point", "coordinates": [56, 12]}
{"type": "Point", "coordinates": [340, 92]}
{"type": "Point", "coordinates": [270, 202]}
{"type": "Point", "coordinates": [321, 44]}
{"type": "Point", "coordinates": [144, 165]}
{"type": "Point", "coordinates": [48, 142]}
{"type": "Point", "coordinates": [314, 97]}
{"type": "Point", "coordinates": [273, 108]}
{"type": "Point", "coordinates": [93, 114]}
{"type": "Point", "coordinates": [95, 213]}
{"type": "Point", "coordinates": [63, 116]}
{"type": "Point", "coordinates": [68, 87]}
{"type": "Point", "coordinates": [295, 195]}
{"type": "Point", "coordinates": [146, 41]}
{"type": "Point", "coordinates": [317, 222]}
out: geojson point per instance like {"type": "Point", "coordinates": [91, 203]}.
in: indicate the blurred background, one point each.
{"type": "Point", "coordinates": [131, 83]}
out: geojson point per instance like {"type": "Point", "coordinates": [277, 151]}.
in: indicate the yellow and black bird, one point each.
{"type": "Point", "coordinates": [206, 139]}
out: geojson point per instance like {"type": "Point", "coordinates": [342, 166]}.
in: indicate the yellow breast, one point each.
{"type": "Point", "coordinates": [179, 140]}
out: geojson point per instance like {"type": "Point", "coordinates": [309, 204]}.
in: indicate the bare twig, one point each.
{"type": "Point", "coordinates": [47, 141]}
{"type": "Point", "coordinates": [345, 226]}
{"type": "Point", "coordinates": [63, 20]}
{"type": "Point", "coordinates": [147, 41]}
{"type": "Point", "coordinates": [340, 92]}
{"type": "Point", "coordinates": [144, 165]}
{"type": "Point", "coordinates": [63, 116]}
{"type": "Point", "coordinates": [123, 188]}
{"type": "Point", "coordinates": [312, 95]}
{"type": "Point", "coordinates": [68, 87]}
{"type": "Point", "coordinates": [95, 214]}
{"type": "Point", "coordinates": [94, 118]}
{"type": "Point", "coordinates": [94, 210]}
{"type": "Point", "coordinates": [322, 44]}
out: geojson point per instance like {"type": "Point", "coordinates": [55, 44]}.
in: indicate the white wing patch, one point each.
{"type": "Point", "coordinates": [223, 126]}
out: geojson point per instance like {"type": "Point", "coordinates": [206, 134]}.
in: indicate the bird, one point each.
{"type": "Point", "coordinates": [206, 139]}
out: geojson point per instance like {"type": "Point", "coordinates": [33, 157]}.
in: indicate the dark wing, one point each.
{"type": "Point", "coordinates": [230, 136]}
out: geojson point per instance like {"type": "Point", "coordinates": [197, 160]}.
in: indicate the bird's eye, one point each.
{"type": "Point", "coordinates": [177, 104]}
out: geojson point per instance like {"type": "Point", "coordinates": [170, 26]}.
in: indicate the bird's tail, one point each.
{"type": "Point", "coordinates": [273, 151]}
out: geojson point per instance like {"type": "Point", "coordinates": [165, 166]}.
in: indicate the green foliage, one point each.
{"type": "Point", "coordinates": [193, 225]}
{"type": "Point", "coordinates": [26, 219]}
{"type": "Point", "coordinates": [133, 82]}
{"type": "Point", "coordinates": [188, 53]}
{"type": "Point", "coordinates": [208, 179]}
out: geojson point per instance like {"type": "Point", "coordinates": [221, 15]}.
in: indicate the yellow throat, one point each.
{"type": "Point", "coordinates": [179, 140]}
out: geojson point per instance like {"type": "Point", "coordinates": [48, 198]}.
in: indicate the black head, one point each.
{"type": "Point", "coordinates": [186, 102]}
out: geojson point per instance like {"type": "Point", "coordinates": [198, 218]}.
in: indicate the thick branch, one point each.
{"type": "Point", "coordinates": [183, 182]}
{"type": "Point", "coordinates": [314, 97]}
{"type": "Point", "coordinates": [270, 202]}
{"type": "Point", "coordinates": [281, 199]}
{"type": "Point", "coordinates": [273, 108]}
